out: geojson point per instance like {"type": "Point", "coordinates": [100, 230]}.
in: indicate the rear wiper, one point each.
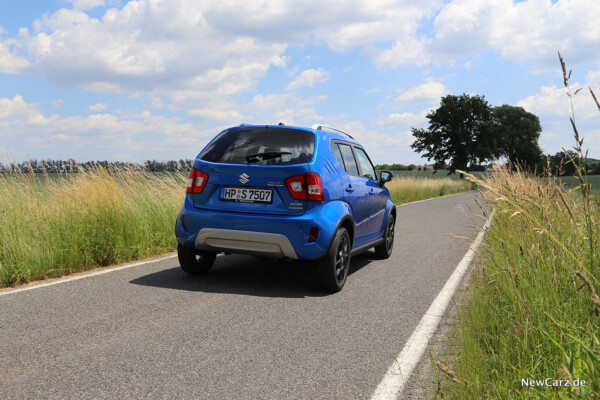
{"type": "Point", "coordinates": [265, 156]}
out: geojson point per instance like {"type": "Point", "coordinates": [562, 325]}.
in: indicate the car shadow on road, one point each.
{"type": "Point", "coordinates": [238, 274]}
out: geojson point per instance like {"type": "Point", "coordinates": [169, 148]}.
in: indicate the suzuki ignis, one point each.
{"type": "Point", "coordinates": [289, 193]}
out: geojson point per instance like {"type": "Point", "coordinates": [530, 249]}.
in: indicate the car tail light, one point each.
{"type": "Point", "coordinates": [314, 187]}
{"type": "Point", "coordinates": [295, 185]}
{"type": "Point", "coordinates": [196, 181]}
{"type": "Point", "coordinates": [306, 186]}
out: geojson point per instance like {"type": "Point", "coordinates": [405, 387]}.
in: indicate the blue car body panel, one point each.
{"type": "Point", "coordinates": [361, 204]}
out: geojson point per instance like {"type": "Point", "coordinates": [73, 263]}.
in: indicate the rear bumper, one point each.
{"type": "Point", "coordinates": [264, 235]}
{"type": "Point", "coordinates": [245, 242]}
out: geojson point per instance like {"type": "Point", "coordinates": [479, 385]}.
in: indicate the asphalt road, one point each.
{"type": "Point", "coordinates": [248, 330]}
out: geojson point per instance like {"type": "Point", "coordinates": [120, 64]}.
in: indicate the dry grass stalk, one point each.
{"type": "Point", "coordinates": [553, 321]}
{"type": "Point", "coordinates": [562, 198]}
{"type": "Point", "coordinates": [594, 96]}
{"type": "Point", "coordinates": [451, 374]}
{"type": "Point", "coordinates": [563, 373]}
{"type": "Point", "coordinates": [594, 297]}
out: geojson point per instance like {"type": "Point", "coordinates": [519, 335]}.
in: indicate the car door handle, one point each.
{"type": "Point", "coordinates": [349, 189]}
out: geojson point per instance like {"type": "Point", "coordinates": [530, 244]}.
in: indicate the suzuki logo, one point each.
{"type": "Point", "coordinates": [244, 178]}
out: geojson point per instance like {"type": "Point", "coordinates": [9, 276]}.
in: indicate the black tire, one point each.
{"type": "Point", "coordinates": [333, 268]}
{"type": "Point", "coordinates": [384, 250]}
{"type": "Point", "coordinates": [195, 262]}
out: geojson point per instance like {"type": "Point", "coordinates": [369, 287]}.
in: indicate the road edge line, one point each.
{"type": "Point", "coordinates": [393, 382]}
{"type": "Point", "coordinates": [436, 198]}
{"type": "Point", "coordinates": [96, 272]}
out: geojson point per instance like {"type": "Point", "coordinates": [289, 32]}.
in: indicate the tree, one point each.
{"type": "Point", "coordinates": [561, 164]}
{"type": "Point", "coordinates": [458, 133]}
{"type": "Point", "coordinates": [516, 133]}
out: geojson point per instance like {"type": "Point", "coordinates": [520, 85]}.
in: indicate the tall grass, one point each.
{"type": "Point", "coordinates": [51, 227]}
{"type": "Point", "coordinates": [407, 189]}
{"type": "Point", "coordinates": [533, 311]}
{"type": "Point", "coordinates": [530, 314]}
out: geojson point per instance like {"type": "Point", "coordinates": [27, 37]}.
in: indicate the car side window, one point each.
{"type": "Point", "coordinates": [348, 158]}
{"type": "Point", "coordinates": [338, 155]}
{"type": "Point", "coordinates": [365, 164]}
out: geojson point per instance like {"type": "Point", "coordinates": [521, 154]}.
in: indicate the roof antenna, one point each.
{"type": "Point", "coordinates": [281, 123]}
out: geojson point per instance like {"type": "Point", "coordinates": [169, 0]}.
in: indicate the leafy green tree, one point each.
{"type": "Point", "coordinates": [516, 133]}
{"type": "Point", "coordinates": [458, 133]}
{"type": "Point", "coordinates": [561, 164]}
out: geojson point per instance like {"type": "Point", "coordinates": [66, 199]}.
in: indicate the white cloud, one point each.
{"type": "Point", "coordinates": [553, 102]}
{"type": "Point", "coordinates": [87, 4]}
{"type": "Point", "coordinates": [9, 62]}
{"type": "Point", "coordinates": [308, 78]}
{"type": "Point", "coordinates": [87, 136]}
{"type": "Point", "coordinates": [374, 90]}
{"type": "Point", "coordinates": [194, 51]}
{"type": "Point", "coordinates": [428, 92]}
{"type": "Point", "coordinates": [98, 107]}
{"type": "Point", "coordinates": [407, 118]}
{"type": "Point", "coordinates": [530, 30]}
{"type": "Point", "coordinates": [223, 113]}
{"type": "Point", "coordinates": [382, 147]}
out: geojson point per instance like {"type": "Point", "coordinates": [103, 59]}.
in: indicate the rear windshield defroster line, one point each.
{"type": "Point", "coordinates": [261, 146]}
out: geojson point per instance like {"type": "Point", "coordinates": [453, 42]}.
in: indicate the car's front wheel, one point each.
{"type": "Point", "coordinates": [384, 250]}
{"type": "Point", "coordinates": [195, 262]}
{"type": "Point", "coordinates": [334, 267]}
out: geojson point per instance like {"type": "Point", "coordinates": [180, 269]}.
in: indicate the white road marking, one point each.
{"type": "Point", "coordinates": [436, 198]}
{"type": "Point", "coordinates": [399, 372]}
{"type": "Point", "coordinates": [102, 271]}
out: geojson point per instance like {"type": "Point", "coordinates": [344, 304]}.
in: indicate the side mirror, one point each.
{"type": "Point", "coordinates": [385, 176]}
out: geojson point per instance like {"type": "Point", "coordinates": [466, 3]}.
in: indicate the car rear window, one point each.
{"type": "Point", "coordinates": [261, 146]}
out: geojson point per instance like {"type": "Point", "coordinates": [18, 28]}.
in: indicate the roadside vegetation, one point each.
{"type": "Point", "coordinates": [407, 189]}
{"type": "Point", "coordinates": [532, 311]}
{"type": "Point", "coordinates": [76, 221]}
{"type": "Point", "coordinates": [55, 224]}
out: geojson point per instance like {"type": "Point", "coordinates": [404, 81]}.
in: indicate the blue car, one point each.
{"type": "Point", "coordinates": [285, 192]}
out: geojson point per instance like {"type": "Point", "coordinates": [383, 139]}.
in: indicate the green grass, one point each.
{"type": "Point", "coordinates": [572, 182]}
{"type": "Point", "coordinates": [528, 315]}
{"type": "Point", "coordinates": [54, 225]}
{"type": "Point", "coordinates": [441, 174]}
{"type": "Point", "coordinates": [406, 189]}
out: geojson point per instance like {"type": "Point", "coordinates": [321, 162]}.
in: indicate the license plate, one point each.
{"type": "Point", "coordinates": [247, 195]}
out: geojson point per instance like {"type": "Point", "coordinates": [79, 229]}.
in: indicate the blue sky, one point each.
{"type": "Point", "coordinates": [152, 79]}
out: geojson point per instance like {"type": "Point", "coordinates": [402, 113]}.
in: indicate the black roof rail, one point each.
{"type": "Point", "coordinates": [319, 127]}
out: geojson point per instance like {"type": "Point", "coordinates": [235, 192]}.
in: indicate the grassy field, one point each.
{"type": "Point", "coordinates": [52, 226]}
{"type": "Point", "coordinates": [532, 311]}
{"type": "Point", "coordinates": [405, 189]}
{"type": "Point", "coordinates": [568, 181]}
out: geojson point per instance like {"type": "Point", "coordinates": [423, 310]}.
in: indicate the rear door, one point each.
{"type": "Point", "coordinates": [377, 194]}
{"type": "Point", "coordinates": [247, 168]}
{"type": "Point", "coordinates": [356, 192]}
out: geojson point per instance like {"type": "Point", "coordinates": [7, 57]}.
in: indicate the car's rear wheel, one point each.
{"type": "Point", "coordinates": [334, 267]}
{"type": "Point", "coordinates": [193, 261]}
{"type": "Point", "coordinates": [384, 250]}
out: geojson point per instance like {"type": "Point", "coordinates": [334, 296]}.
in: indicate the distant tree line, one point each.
{"type": "Point", "coordinates": [398, 167]}
{"type": "Point", "coordinates": [70, 165]}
